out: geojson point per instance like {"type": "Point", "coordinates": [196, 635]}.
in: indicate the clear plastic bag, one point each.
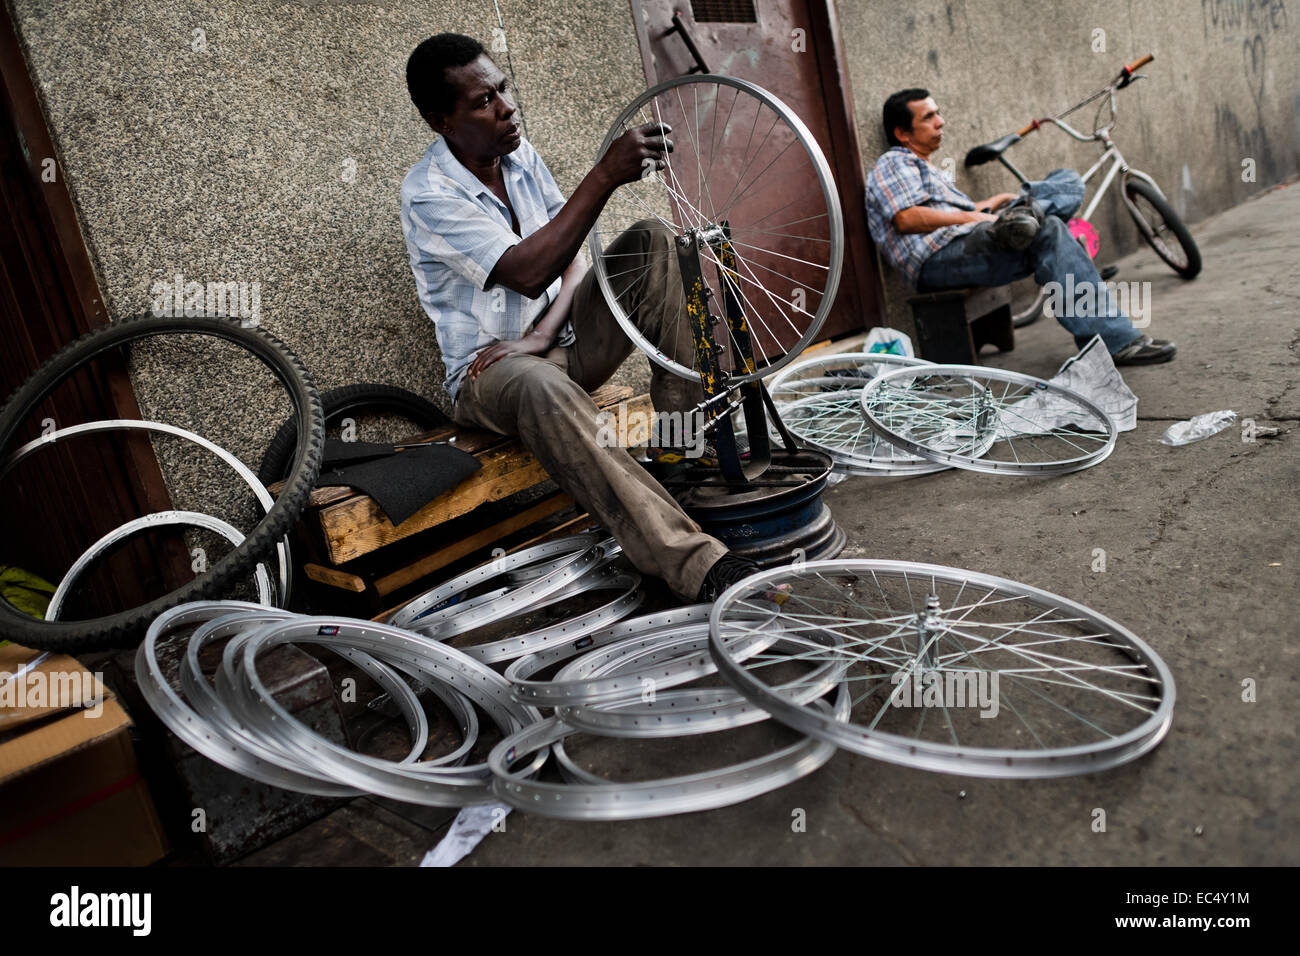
{"type": "Point", "coordinates": [1202, 426]}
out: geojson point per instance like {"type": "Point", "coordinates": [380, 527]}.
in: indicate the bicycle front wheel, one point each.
{"type": "Point", "coordinates": [746, 180]}
{"type": "Point", "coordinates": [1162, 229]}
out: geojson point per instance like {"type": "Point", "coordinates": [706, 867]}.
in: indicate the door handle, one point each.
{"type": "Point", "coordinates": [680, 27]}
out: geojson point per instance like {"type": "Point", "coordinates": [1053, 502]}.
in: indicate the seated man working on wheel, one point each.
{"type": "Point", "coordinates": [525, 334]}
{"type": "Point", "coordinates": [939, 238]}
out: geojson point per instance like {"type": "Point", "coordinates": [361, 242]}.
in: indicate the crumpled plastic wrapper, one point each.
{"type": "Point", "coordinates": [1194, 429]}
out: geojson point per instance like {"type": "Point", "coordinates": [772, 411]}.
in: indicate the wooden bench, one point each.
{"type": "Point", "coordinates": [342, 527]}
{"type": "Point", "coordinates": [951, 327]}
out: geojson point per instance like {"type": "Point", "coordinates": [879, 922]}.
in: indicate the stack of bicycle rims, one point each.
{"type": "Point", "coordinates": [640, 693]}
{"type": "Point", "coordinates": [620, 689]}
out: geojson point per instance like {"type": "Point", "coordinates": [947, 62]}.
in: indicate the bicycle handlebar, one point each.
{"type": "Point", "coordinates": [1125, 77]}
{"type": "Point", "coordinates": [1139, 63]}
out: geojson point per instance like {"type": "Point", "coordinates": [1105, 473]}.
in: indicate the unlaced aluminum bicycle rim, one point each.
{"type": "Point", "coordinates": [683, 711]}
{"type": "Point", "coordinates": [205, 701]}
{"type": "Point", "coordinates": [253, 734]}
{"type": "Point", "coordinates": [584, 681]}
{"type": "Point", "coordinates": [589, 797]}
{"type": "Point", "coordinates": [244, 757]}
{"type": "Point", "coordinates": [521, 670]}
{"type": "Point", "coordinates": [626, 600]}
{"type": "Point", "coordinates": [1058, 689]}
{"type": "Point", "coordinates": [431, 614]}
{"type": "Point", "coordinates": [130, 424]}
{"type": "Point", "coordinates": [420, 783]}
{"type": "Point", "coordinates": [159, 519]}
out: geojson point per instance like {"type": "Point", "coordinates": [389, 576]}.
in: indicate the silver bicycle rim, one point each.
{"type": "Point", "coordinates": [251, 760]}
{"type": "Point", "coordinates": [564, 632]}
{"type": "Point", "coordinates": [128, 424]}
{"type": "Point", "coordinates": [423, 614]}
{"type": "Point", "coordinates": [593, 798]}
{"type": "Point", "coordinates": [271, 747]}
{"type": "Point", "coordinates": [686, 202]}
{"type": "Point", "coordinates": [1075, 691]}
{"type": "Point", "coordinates": [205, 701]}
{"type": "Point", "coordinates": [157, 519]}
{"type": "Point", "coordinates": [237, 680]}
{"type": "Point", "coordinates": [584, 681]}
{"type": "Point", "coordinates": [521, 670]}
{"type": "Point", "coordinates": [968, 416]}
{"type": "Point", "coordinates": [684, 711]}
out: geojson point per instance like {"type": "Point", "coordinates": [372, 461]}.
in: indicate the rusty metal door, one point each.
{"type": "Point", "coordinates": [792, 49]}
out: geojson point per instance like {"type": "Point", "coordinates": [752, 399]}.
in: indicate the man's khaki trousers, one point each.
{"type": "Point", "coordinates": [544, 400]}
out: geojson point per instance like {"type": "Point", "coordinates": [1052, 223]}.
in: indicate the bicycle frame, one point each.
{"type": "Point", "coordinates": [1118, 165]}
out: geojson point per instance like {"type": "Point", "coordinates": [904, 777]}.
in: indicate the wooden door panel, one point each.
{"type": "Point", "coordinates": [791, 49]}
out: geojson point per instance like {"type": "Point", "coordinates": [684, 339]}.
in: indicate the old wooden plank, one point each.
{"type": "Point", "coordinates": [358, 526]}
{"type": "Point", "coordinates": [454, 552]}
{"type": "Point", "coordinates": [334, 577]}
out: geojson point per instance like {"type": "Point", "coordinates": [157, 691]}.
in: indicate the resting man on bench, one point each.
{"type": "Point", "coordinates": [525, 334]}
{"type": "Point", "coordinates": [938, 238]}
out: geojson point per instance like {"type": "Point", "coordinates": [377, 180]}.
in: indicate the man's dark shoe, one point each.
{"type": "Point", "coordinates": [1015, 228]}
{"type": "Point", "coordinates": [726, 571]}
{"type": "Point", "coordinates": [1145, 351]}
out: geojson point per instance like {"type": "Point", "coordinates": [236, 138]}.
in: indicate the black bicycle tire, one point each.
{"type": "Point", "coordinates": [1175, 225]}
{"type": "Point", "coordinates": [118, 630]}
{"type": "Point", "coordinates": [338, 402]}
{"type": "Point", "coordinates": [1031, 315]}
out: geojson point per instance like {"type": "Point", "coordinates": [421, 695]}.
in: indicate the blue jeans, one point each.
{"type": "Point", "coordinates": [974, 259]}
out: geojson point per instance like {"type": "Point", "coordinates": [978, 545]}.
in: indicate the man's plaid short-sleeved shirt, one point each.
{"type": "Point", "coordinates": [456, 229]}
{"type": "Point", "coordinates": [900, 180]}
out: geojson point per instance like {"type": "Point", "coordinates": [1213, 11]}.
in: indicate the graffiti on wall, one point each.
{"type": "Point", "coordinates": [1250, 26]}
{"type": "Point", "coordinates": [1229, 18]}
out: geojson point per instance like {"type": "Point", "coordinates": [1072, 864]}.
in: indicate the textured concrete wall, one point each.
{"type": "Point", "coordinates": [1224, 88]}
{"type": "Point", "coordinates": [270, 147]}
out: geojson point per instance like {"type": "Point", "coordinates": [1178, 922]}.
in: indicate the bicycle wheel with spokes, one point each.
{"type": "Point", "coordinates": [1162, 229]}
{"type": "Point", "coordinates": [987, 419]}
{"type": "Point", "coordinates": [948, 670]}
{"type": "Point", "coordinates": [1031, 313]}
{"type": "Point", "coordinates": [820, 401]}
{"type": "Point", "coordinates": [745, 179]}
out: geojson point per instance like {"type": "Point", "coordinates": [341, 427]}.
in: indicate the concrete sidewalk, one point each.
{"type": "Point", "coordinates": [1201, 562]}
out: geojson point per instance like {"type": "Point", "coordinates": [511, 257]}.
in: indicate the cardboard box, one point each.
{"type": "Point", "coordinates": [71, 793]}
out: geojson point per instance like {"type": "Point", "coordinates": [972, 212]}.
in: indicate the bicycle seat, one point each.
{"type": "Point", "coordinates": [990, 151]}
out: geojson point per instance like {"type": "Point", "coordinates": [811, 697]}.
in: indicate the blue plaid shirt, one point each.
{"type": "Point", "coordinates": [900, 180]}
{"type": "Point", "coordinates": [456, 229]}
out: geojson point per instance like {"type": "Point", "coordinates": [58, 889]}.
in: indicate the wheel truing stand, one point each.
{"type": "Point", "coordinates": [718, 403]}
{"type": "Point", "coordinates": [763, 507]}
